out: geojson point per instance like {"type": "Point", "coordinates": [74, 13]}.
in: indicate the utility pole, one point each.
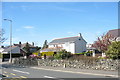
{"type": "Point", "coordinates": [10, 39]}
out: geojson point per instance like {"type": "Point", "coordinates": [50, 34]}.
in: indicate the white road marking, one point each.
{"type": "Point", "coordinates": [23, 77]}
{"type": "Point", "coordinates": [21, 71]}
{"type": "Point", "coordinates": [53, 78]}
{"type": "Point", "coordinates": [77, 72]}
{"type": "Point", "coordinates": [48, 77]}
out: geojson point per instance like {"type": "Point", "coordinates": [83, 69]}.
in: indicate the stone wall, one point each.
{"type": "Point", "coordinates": [102, 64]}
{"type": "Point", "coordinates": [25, 62]}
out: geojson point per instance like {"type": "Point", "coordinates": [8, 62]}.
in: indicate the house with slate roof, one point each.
{"type": "Point", "coordinates": [14, 50]}
{"type": "Point", "coordinates": [71, 44]}
{"type": "Point", "coordinates": [115, 33]}
{"type": "Point", "coordinates": [17, 50]}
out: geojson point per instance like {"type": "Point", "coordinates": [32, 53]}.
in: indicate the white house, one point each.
{"type": "Point", "coordinates": [71, 44]}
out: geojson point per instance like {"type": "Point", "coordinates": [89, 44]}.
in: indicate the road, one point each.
{"type": "Point", "coordinates": [12, 71]}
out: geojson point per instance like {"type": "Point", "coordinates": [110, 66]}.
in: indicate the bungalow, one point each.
{"type": "Point", "coordinates": [71, 44]}
{"type": "Point", "coordinates": [17, 50]}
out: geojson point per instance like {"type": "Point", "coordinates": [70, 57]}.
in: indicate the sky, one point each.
{"type": "Point", "coordinates": [40, 21]}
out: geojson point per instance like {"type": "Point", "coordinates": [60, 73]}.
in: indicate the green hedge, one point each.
{"type": "Point", "coordinates": [1, 55]}
{"type": "Point", "coordinates": [47, 53]}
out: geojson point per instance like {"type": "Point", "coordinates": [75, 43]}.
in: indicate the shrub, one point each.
{"type": "Point", "coordinates": [58, 56]}
{"type": "Point", "coordinates": [66, 55]}
{"type": "Point", "coordinates": [62, 55]}
{"type": "Point", "coordinates": [89, 53]}
{"type": "Point", "coordinates": [114, 50]}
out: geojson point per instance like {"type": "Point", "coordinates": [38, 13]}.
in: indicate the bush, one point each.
{"type": "Point", "coordinates": [114, 50]}
{"type": "Point", "coordinates": [89, 53]}
{"type": "Point", "coordinates": [66, 55]}
{"type": "Point", "coordinates": [62, 55]}
{"type": "Point", "coordinates": [58, 56]}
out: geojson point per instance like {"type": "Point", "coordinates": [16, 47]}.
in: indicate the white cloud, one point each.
{"type": "Point", "coordinates": [28, 27]}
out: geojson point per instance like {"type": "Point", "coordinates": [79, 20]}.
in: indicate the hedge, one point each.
{"type": "Point", "coordinates": [47, 53]}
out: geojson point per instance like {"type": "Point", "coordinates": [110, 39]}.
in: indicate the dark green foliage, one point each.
{"type": "Point", "coordinates": [58, 56]}
{"type": "Point", "coordinates": [38, 48]}
{"type": "Point", "coordinates": [27, 49]}
{"type": "Point", "coordinates": [89, 53]}
{"type": "Point", "coordinates": [114, 50]}
{"type": "Point", "coordinates": [66, 55]}
{"type": "Point", "coordinates": [63, 55]}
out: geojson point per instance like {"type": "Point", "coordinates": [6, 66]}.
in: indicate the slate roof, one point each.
{"type": "Point", "coordinates": [15, 49]}
{"type": "Point", "coordinates": [23, 45]}
{"type": "Point", "coordinates": [63, 40]}
{"type": "Point", "coordinates": [115, 33]}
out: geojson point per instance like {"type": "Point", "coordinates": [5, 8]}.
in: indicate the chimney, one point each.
{"type": "Point", "coordinates": [33, 43]}
{"type": "Point", "coordinates": [79, 35]}
{"type": "Point", "coordinates": [20, 44]}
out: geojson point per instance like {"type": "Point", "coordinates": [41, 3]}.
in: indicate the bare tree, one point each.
{"type": "Point", "coordinates": [2, 39]}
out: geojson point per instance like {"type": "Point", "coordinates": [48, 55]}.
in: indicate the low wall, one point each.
{"type": "Point", "coordinates": [81, 64]}
{"type": "Point", "coordinates": [25, 62]}
{"type": "Point", "coordinates": [103, 64]}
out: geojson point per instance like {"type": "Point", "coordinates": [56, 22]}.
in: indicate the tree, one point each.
{"type": "Point", "coordinates": [114, 50]}
{"type": "Point", "coordinates": [38, 48]}
{"type": "Point", "coordinates": [103, 42]}
{"type": "Point", "coordinates": [2, 39]}
{"type": "Point", "coordinates": [45, 45]}
{"type": "Point", "coordinates": [27, 49]}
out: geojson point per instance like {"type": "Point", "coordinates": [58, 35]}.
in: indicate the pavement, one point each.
{"type": "Point", "coordinates": [79, 71]}
{"type": "Point", "coordinates": [56, 73]}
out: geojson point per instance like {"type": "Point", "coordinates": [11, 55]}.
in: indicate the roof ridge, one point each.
{"type": "Point", "coordinates": [66, 37]}
{"type": "Point", "coordinates": [114, 29]}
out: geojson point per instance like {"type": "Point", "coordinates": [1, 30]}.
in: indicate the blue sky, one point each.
{"type": "Point", "coordinates": [40, 21]}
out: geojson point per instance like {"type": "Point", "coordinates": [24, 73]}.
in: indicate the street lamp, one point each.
{"type": "Point", "coordinates": [10, 38]}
